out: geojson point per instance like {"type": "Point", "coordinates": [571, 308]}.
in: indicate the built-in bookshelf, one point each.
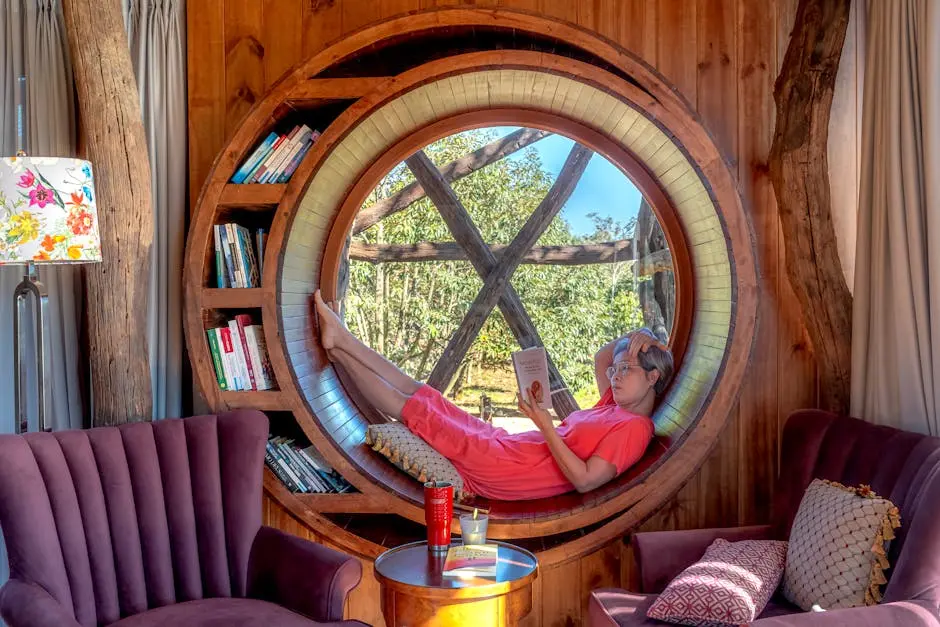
{"type": "Point", "coordinates": [239, 255]}
{"type": "Point", "coordinates": [301, 468]}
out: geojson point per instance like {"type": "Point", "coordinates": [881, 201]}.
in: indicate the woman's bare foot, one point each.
{"type": "Point", "coordinates": [331, 327]}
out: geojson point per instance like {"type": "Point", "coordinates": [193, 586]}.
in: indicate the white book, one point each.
{"type": "Point", "coordinates": [277, 154]}
{"type": "Point", "coordinates": [531, 366]}
{"type": "Point", "coordinates": [258, 360]}
{"type": "Point", "coordinates": [239, 352]}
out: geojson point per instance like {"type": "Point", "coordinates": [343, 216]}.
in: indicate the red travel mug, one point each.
{"type": "Point", "coordinates": [438, 511]}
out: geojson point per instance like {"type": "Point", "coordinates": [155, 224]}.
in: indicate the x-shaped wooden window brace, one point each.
{"type": "Point", "coordinates": [496, 273]}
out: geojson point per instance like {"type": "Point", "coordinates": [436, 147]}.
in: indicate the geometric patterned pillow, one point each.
{"type": "Point", "coordinates": [838, 547]}
{"type": "Point", "coordinates": [730, 585]}
{"type": "Point", "coordinates": [413, 455]}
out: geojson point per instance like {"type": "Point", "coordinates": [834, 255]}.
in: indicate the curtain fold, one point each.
{"type": "Point", "coordinates": [896, 311]}
{"type": "Point", "coordinates": [32, 38]}
{"type": "Point", "coordinates": [156, 34]}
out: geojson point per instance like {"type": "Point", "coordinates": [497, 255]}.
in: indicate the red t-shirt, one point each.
{"type": "Point", "coordinates": [500, 465]}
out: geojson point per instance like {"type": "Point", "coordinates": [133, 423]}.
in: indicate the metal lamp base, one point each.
{"type": "Point", "coordinates": [28, 287]}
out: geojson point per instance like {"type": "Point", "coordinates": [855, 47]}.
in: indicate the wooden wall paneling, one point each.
{"type": "Point", "coordinates": [206, 85]}
{"type": "Point", "coordinates": [561, 595]}
{"type": "Point", "coordinates": [521, 5]}
{"type": "Point", "coordinates": [389, 8]}
{"type": "Point", "coordinates": [676, 45]}
{"type": "Point", "coordinates": [244, 59]}
{"type": "Point", "coordinates": [600, 569]}
{"type": "Point", "coordinates": [716, 64]}
{"type": "Point", "coordinates": [607, 17]}
{"type": "Point", "coordinates": [638, 28]}
{"type": "Point", "coordinates": [534, 619]}
{"type": "Point", "coordinates": [322, 23]}
{"type": "Point", "coordinates": [356, 14]}
{"type": "Point", "coordinates": [629, 571]}
{"type": "Point", "coordinates": [560, 9]}
{"type": "Point", "coordinates": [282, 36]}
{"type": "Point", "coordinates": [757, 424]}
{"type": "Point", "coordinates": [796, 364]}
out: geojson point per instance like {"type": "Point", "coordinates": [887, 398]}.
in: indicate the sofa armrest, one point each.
{"type": "Point", "coordinates": [26, 604]}
{"type": "Point", "coordinates": [302, 576]}
{"type": "Point", "coordinates": [661, 555]}
{"type": "Point", "coordinates": [897, 614]}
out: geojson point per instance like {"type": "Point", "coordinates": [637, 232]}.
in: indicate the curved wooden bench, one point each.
{"type": "Point", "coordinates": [679, 167]}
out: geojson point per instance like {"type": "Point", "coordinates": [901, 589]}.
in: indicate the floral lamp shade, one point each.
{"type": "Point", "coordinates": [47, 211]}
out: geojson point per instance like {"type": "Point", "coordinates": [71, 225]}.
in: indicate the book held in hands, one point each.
{"type": "Point", "coordinates": [531, 366]}
{"type": "Point", "coordinates": [478, 560]}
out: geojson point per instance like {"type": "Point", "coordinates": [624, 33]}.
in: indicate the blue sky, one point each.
{"type": "Point", "coordinates": [603, 188]}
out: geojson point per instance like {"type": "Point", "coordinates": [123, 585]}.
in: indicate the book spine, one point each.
{"type": "Point", "coordinates": [232, 256]}
{"type": "Point", "coordinates": [277, 466]}
{"type": "Point", "coordinates": [259, 247]}
{"type": "Point", "coordinates": [249, 178]}
{"type": "Point", "coordinates": [255, 157]}
{"type": "Point", "coordinates": [216, 359]}
{"type": "Point", "coordinates": [266, 370]}
{"type": "Point", "coordinates": [262, 165]}
{"type": "Point", "coordinates": [255, 358]}
{"type": "Point", "coordinates": [241, 365]}
{"type": "Point", "coordinates": [251, 264]}
{"type": "Point", "coordinates": [224, 340]}
{"type": "Point", "coordinates": [280, 449]}
{"type": "Point", "coordinates": [276, 156]}
{"type": "Point", "coordinates": [227, 255]}
{"type": "Point", "coordinates": [219, 259]}
{"type": "Point", "coordinates": [242, 321]}
{"type": "Point", "coordinates": [296, 143]}
{"type": "Point", "coordinates": [308, 476]}
{"type": "Point", "coordinates": [295, 162]}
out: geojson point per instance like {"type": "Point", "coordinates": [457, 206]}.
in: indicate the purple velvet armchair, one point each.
{"type": "Point", "coordinates": [901, 465]}
{"type": "Point", "coordinates": [156, 524]}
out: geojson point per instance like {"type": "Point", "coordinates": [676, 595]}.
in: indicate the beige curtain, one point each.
{"type": "Point", "coordinates": [156, 33]}
{"type": "Point", "coordinates": [32, 37]}
{"type": "Point", "coordinates": [896, 327]}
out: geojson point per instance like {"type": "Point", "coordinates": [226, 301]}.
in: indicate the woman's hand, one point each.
{"type": "Point", "coordinates": [541, 418]}
{"type": "Point", "coordinates": [640, 341]}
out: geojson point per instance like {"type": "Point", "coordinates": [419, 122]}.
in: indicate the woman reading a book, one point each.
{"type": "Point", "coordinates": [589, 448]}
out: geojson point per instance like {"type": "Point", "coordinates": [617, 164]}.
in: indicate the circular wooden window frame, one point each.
{"type": "Point", "coordinates": [643, 86]}
{"type": "Point", "coordinates": [622, 158]}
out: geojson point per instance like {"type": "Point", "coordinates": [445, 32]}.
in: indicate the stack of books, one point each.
{"type": "Point", "coordinates": [276, 158]}
{"type": "Point", "coordinates": [302, 469]}
{"type": "Point", "coordinates": [239, 255]}
{"type": "Point", "coordinates": [240, 355]}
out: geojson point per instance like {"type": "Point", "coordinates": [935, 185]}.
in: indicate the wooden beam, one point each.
{"type": "Point", "coordinates": [498, 279]}
{"type": "Point", "coordinates": [335, 88]}
{"type": "Point", "coordinates": [455, 170]}
{"type": "Point", "coordinates": [800, 174]}
{"type": "Point", "coordinates": [572, 255]}
{"type": "Point", "coordinates": [118, 289]}
{"type": "Point", "coordinates": [483, 261]}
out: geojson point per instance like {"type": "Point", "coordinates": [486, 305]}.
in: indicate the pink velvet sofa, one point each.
{"type": "Point", "coordinates": [900, 465]}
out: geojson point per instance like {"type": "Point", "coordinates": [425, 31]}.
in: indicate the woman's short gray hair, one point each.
{"type": "Point", "coordinates": [654, 358]}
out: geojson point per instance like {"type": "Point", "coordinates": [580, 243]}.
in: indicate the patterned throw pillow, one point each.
{"type": "Point", "coordinates": [838, 547]}
{"type": "Point", "coordinates": [413, 455]}
{"type": "Point", "coordinates": [729, 586]}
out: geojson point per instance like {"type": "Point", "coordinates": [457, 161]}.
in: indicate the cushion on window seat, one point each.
{"type": "Point", "coordinates": [412, 454]}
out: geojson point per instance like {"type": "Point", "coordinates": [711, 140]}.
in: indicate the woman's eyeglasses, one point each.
{"type": "Point", "coordinates": [622, 369]}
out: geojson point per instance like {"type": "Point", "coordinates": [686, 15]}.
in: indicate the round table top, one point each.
{"type": "Point", "coordinates": [413, 565]}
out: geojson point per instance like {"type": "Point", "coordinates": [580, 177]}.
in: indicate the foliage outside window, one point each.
{"type": "Point", "coordinates": [408, 311]}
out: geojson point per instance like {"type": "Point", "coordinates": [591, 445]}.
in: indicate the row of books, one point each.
{"type": "Point", "coordinates": [302, 469]}
{"type": "Point", "coordinates": [239, 255]}
{"type": "Point", "coordinates": [240, 355]}
{"type": "Point", "coordinates": [276, 158]}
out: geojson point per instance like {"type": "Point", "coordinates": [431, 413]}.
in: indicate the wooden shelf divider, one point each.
{"type": "Point", "coordinates": [334, 88]}
{"type": "Point", "coordinates": [265, 400]}
{"type": "Point", "coordinates": [252, 195]}
{"type": "Point", "coordinates": [232, 297]}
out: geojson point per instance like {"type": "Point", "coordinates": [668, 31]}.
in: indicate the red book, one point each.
{"type": "Point", "coordinates": [244, 320]}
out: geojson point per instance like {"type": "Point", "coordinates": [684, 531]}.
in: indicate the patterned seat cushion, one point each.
{"type": "Point", "coordinates": [729, 586]}
{"type": "Point", "coordinates": [838, 547]}
{"type": "Point", "coordinates": [413, 455]}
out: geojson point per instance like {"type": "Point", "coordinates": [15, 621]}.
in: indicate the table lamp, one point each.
{"type": "Point", "coordinates": [47, 216]}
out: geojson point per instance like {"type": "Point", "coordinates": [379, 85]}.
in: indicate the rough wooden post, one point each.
{"type": "Point", "coordinates": [799, 171]}
{"type": "Point", "coordinates": [117, 289]}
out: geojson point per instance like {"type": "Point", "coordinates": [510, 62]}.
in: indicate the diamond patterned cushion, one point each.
{"type": "Point", "coordinates": [413, 455]}
{"type": "Point", "coordinates": [838, 546]}
{"type": "Point", "coordinates": [729, 586]}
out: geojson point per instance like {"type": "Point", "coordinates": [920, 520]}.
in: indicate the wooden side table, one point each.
{"type": "Point", "coordinates": [416, 594]}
